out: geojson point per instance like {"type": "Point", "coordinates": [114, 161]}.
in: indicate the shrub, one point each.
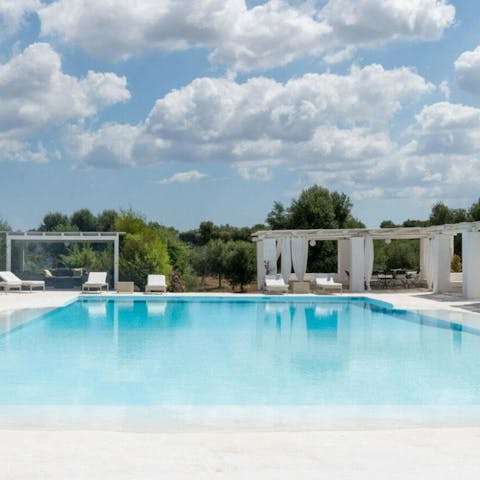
{"type": "Point", "coordinates": [456, 265]}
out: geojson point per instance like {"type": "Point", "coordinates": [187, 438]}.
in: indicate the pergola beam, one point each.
{"type": "Point", "coordinates": [397, 233]}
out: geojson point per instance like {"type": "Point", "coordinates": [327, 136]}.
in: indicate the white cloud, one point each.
{"type": "Point", "coordinates": [467, 70]}
{"type": "Point", "coordinates": [183, 177]}
{"type": "Point", "coordinates": [445, 89]}
{"type": "Point", "coordinates": [35, 93]}
{"type": "Point", "coordinates": [324, 122]}
{"type": "Point", "coordinates": [12, 13]}
{"type": "Point", "coordinates": [266, 35]}
{"type": "Point", "coordinates": [16, 151]}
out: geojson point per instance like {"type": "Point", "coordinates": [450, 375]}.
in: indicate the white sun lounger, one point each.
{"type": "Point", "coordinates": [156, 283]}
{"type": "Point", "coordinates": [275, 284]}
{"type": "Point", "coordinates": [10, 282]}
{"type": "Point", "coordinates": [97, 280]}
{"type": "Point", "coordinates": [326, 282]}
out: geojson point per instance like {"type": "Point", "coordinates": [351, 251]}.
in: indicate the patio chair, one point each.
{"type": "Point", "coordinates": [10, 281]}
{"type": "Point", "coordinates": [156, 283]}
{"type": "Point", "coordinates": [275, 284]}
{"type": "Point", "coordinates": [326, 282]}
{"type": "Point", "coordinates": [96, 280]}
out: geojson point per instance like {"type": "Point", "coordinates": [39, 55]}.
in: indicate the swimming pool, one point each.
{"type": "Point", "coordinates": [207, 351]}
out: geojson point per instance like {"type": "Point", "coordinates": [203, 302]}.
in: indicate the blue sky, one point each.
{"type": "Point", "coordinates": [212, 110]}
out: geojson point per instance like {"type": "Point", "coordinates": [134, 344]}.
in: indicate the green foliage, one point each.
{"type": "Point", "coordinates": [240, 268]}
{"type": "Point", "coordinates": [142, 254]}
{"type": "Point", "coordinates": [397, 254]}
{"type": "Point", "coordinates": [84, 256]}
{"type": "Point", "coordinates": [316, 208]}
{"type": "Point", "coordinates": [456, 265]}
{"type": "Point", "coordinates": [84, 220]}
{"type": "Point", "coordinates": [129, 221]}
{"type": "Point", "coordinates": [442, 215]}
{"type": "Point", "coordinates": [474, 211]}
{"type": "Point", "coordinates": [53, 221]}
{"type": "Point", "coordinates": [106, 220]}
{"type": "Point", "coordinates": [313, 209]}
{"type": "Point", "coordinates": [216, 252]}
{"type": "Point", "coordinates": [143, 250]}
{"type": "Point", "coordinates": [200, 262]}
{"type": "Point", "coordinates": [277, 218]}
{"type": "Point", "coordinates": [208, 231]}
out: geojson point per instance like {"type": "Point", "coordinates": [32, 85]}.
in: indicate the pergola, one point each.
{"type": "Point", "coordinates": [62, 237]}
{"type": "Point", "coordinates": [355, 253]}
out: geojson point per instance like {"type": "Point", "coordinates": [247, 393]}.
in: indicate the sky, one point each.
{"type": "Point", "coordinates": [213, 109]}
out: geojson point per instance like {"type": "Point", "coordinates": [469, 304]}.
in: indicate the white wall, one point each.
{"type": "Point", "coordinates": [471, 264]}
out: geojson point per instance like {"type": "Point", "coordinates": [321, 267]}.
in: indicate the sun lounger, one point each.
{"type": "Point", "coordinates": [275, 284]}
{"type": "Point", "coordinates": [326, 282]}
{"type": "Point", "coordinates": [96, 280]}
{"type": "Point", "coordinates": [9, 281]}
{"type": "Point", "coordinates": [156, 283]}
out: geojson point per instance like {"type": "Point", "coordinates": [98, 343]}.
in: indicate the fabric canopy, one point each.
{"type": "Point", "coordinates": [270, 255]}
{"type": "Point", "coordinates": [286, 260]}
{"type": "Point", "coordinates": [299, 256]}
{"type": "Point", "coordinates": [369, 255]}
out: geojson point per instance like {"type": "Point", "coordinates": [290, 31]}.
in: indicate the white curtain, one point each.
{"type": "Point", "coordinates": [270, 255]}
{"type": "Point", "coordinates": [286, 260]}
{"type": "Point", "coordinates": [428, 261]}
{"type": "Point", "coordinates": [299, 256]}
{"type": "Point", "coordinates": [368, 266]}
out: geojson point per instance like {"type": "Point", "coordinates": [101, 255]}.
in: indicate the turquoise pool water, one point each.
{"type": "Point", "coordinates": [224, 351]}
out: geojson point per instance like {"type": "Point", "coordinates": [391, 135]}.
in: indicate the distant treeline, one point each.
{"type": "Point", "coordinates": [222, 251]}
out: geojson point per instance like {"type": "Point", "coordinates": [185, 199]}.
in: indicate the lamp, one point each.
{"type": "Point", "coordinates": [312, 243]}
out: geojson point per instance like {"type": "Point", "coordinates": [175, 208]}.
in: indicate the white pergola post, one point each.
{"type": "Point", "coordinates": [116, 255]}
{"type": "Point", "coordinates": [357, 264]}
{"type": "Point", "coordinates": [343, 259]}
{"type": "Point", "coordinates": [441, 261]}
{"type": "Point", "coordinates": [8, 265]}
{"type": "Point", "coordinates": [471, 264]}
{"type": "Point", "coordinates": [260, 265]}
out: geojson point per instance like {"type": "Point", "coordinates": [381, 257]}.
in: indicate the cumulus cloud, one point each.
{"type": "Point", "coordinates": [261, 37]}
{"type": "Point", "coordinates": [183, 177]}
{"type": "Point", "coordinates": [12, 13]}
{"type": "Point", "coordinates": [318, 122]}
{"type": "Point", "coordinates": [12, 150]}
{"type": "Point", "coordinates": [467, 71]}
{"type": "Point", "coordinates": [441, 160]}
{"type": "Point", "coordinates": [35, 93]}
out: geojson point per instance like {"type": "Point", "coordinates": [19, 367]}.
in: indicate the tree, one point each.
{"type": "Point", "coordinates": [312, 209]}
{"type": "Point", "coordinates": [200, 263]}
{"type": "Point", "coordinates": [143, 250]}
{"type": "Point", "coordinates": [106, 220]}
{"type": "Point", "coordinates": [143, 254]}
{"type": "Point", "coordinates": [474, 211]}
{"type": "Point", "coordinates": [388, 224]}
{"type": "Point", "coordinates": [216, 259]}
{"type": "Point", "coordinates": [84, 220]}
{"type": "Point", "coordinates": [277, 218]}
{"type": "Point", "coordinates": [206, 232]}
{"type": "Point", "coordinates": [316, 208]}
{"type": "Point", "coordinates": [442, 215]}
{"type": "Point", "coordinates": [54, 222]}
{"type": "Point", "coordinates": [240, 266]}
